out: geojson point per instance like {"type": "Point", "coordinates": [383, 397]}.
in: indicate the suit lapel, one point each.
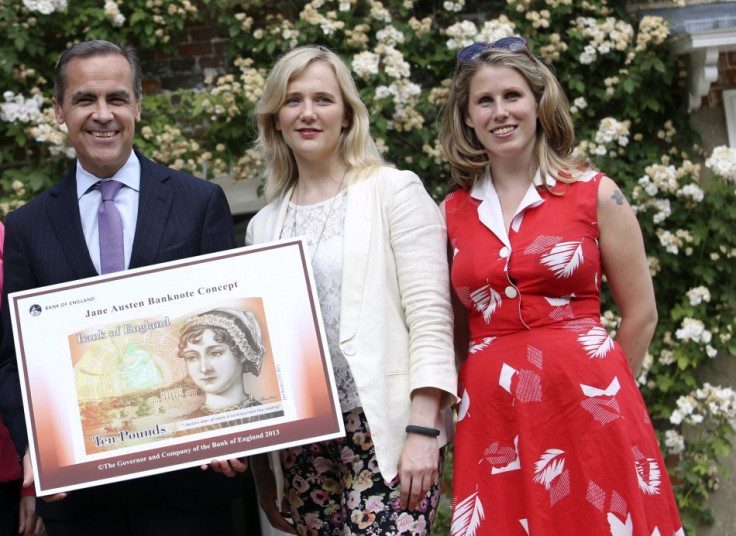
{"type": "Point", "coordinates": [279, 216]}
{"type": "Point", "coordinates": [154, 206]}
{"type": "Point", "coordinates": [63, 212]}
{"type": "Point", "coordinates": [359, 228]}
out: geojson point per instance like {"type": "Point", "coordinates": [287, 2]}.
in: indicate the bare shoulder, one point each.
{"type": "Point", "coordinates": [616, 218]}
{"type": "Point", "coordinates": [614, 211]}
{"type": "Point", "coordinates": [610, 195]}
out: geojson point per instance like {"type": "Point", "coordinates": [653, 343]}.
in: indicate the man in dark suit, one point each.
{"type": "Point", "coordinates": [165, 215]}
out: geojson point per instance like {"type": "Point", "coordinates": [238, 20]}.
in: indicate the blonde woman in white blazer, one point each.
{"type": "Point", "coordinates": [378, 246]}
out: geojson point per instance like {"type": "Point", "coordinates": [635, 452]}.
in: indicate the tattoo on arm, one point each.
{"type": "Point", "coordinates": [618, 197]}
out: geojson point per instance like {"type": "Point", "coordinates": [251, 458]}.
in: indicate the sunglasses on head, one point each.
{"type": "Point", "coordinates": [510, 44]}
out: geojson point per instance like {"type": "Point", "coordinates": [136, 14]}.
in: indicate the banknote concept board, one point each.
{"type": "Point", "coordinates": [173, 365]}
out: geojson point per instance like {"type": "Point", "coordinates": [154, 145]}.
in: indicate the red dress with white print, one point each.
{"type": "Point", "coordinates": [553, 437]}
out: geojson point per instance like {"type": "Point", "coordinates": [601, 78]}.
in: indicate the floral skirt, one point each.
{"type": "Point", "coordinates": [334, 488]}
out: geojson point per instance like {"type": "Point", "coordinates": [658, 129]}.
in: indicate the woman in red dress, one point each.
{"type": "Point", "coordinates": [553, 436]}
{"type": "Point", "coordinates": [17, 504]}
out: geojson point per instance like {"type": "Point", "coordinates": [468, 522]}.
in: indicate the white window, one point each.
{"type": "Point", "coordinates": [729, 105]}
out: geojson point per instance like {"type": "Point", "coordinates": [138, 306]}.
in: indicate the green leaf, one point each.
{"type": "Point", "coordinates": [38, 181]}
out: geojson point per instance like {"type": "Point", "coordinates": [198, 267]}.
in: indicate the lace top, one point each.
{"type": "Point", "coordinates": [323, 225]}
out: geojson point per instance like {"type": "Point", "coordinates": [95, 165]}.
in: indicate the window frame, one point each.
{"type": "Point", "coordinates": [729, 108]}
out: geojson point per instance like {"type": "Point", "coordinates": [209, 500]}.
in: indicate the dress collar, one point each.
{"type": "Point", "coordinates": [489, 210]}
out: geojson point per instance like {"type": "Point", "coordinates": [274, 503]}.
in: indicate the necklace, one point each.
{"type": "Point", "coordinates": [248, 402]}
{"type": "Point", "coordinates": [327, 217]}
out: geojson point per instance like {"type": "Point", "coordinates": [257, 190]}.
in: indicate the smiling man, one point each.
{"type": "Point", "coordinates": [164, 215]}
{"type": "Point", "coordinates": [99, 102]}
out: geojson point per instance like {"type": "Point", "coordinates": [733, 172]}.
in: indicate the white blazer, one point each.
{"type": "Point", "coordinates": [395, 317]}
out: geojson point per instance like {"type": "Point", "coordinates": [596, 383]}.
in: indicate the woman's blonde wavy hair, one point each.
{"type": "Point", "coordinates": [357, 150]}
{"type": "Point", "coordinates": [554, 147]}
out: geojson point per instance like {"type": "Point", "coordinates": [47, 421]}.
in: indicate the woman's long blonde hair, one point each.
{"type": "Point", "coordinates": [357, 151]}
{"type": "Point", "coordinates": [554, 147]}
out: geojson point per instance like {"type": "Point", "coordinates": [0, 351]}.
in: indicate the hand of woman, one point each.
{"type": "Point", "coordinates": [418, 469]}
{"type": "Point", "coordinates": [267, 497]}
{"type": "Point", "coordinates": [229, 468]}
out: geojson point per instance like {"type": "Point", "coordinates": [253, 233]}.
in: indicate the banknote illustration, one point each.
{"type": "Point", "coordinates": [155, 378]}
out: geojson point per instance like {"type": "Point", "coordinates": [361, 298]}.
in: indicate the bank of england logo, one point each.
{"type": "Point", "coordinates": [35, 309]}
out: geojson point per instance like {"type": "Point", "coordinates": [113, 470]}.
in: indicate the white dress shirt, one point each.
{"type": "Point", "coordinates": [126, 202]}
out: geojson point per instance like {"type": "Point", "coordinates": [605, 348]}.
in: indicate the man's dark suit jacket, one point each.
{"type": "Point", "coordinates": [179, 216]}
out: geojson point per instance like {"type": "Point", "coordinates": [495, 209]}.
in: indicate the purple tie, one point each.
{"type": "Point", "coordinates": [110, 225]}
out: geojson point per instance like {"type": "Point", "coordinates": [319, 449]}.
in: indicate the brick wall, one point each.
{"type": "Point", "coordinates": [200, 52]}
